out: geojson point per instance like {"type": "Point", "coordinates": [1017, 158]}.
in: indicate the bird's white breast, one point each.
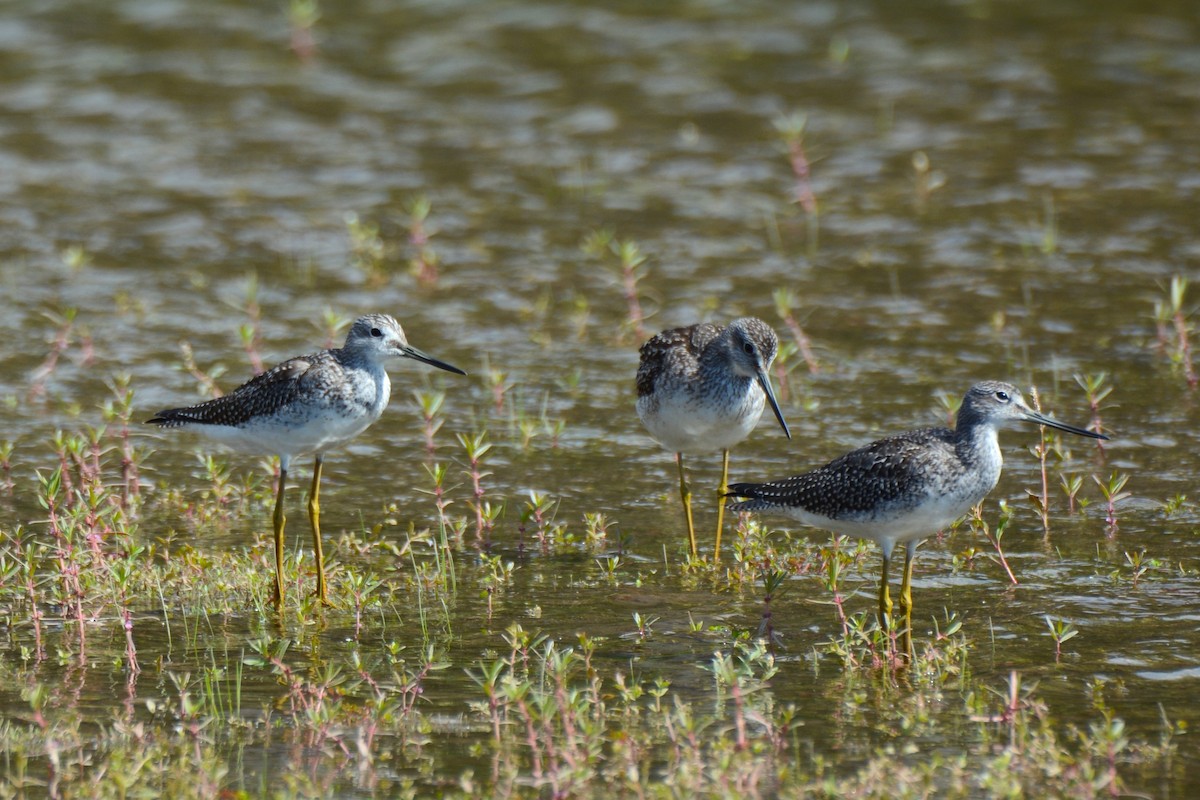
{"type": "Point", "coordinates": [687, 423]}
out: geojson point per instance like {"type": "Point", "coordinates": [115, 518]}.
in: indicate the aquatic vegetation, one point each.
{"type": "Point", "coordinates": [250, 332]}
{"type": "Point", "coordinates": [630, 261]}
{"type": "Point", "coordinates": [791, 130]}
{"type": "Point", "coordinates": [980, 526]}
{"type": "Point", "coordinates": [6, 453]}
{"type": "Point", "coordinates": [476, 447]}
{"type": "Point", "coordinates": [1098, 388]}
{"type": "Point", "coordinates": [1174, 329]}
{"type": "Point", "coordinates": [1114, 492]}
{"type": "Point", "coordinates": [1040, 500]}
{"type": "Point", "coordinates": [1062, 631]}
{"type": "Point", "coordinates": [64, 337]}
{"type": "Point", "coordinates": [303, 16]}
{"type": "Point", "coordinates": [926, 180]}
{"type": "Point", "coordinates": [369, 253]}
{"type": "Point", "coordinates": [1071, 484]}
{"type": "Point", "coordinates": [423, 264]}
{"type": "Point", "coordinates": [786, 302]}
{"type": "Point", "coordinates": [539, 513]}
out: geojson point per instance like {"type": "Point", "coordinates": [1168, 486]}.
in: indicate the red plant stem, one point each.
{"type": "Point", "coordinates": [130, 484]}
{"type": "Point", "coordinates": [1041, 454]}
{"type": "Point", "coordinates": [130, 650]}
{"type": "Point", "coordinates": [1097, 424]}
{"type": "Point", "coordinates": [430, 447]}
{"type": "Point", "coordinates": [62, 340]}
{"type": "Point", "coordinates": [631, 299]}
{"type": "Point", "coordinates": [804, 193]}
{"type": "Point", "coordinates": [803, 343]}
{"type": "Point", "coordinates": [1003, 561]}
{"type": "Point", "coordinates": [36, 614]}
{"type": "Point", "coordinates": [739, 715]}
{"type": "Point", "coordinates": [478, 489]}
{"type": "Point", "coordinates": [1185, 350]}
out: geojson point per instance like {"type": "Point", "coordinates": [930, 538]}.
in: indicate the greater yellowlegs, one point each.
{"type": "Point", "coordinates": [308, 404]}
{"type": "Point", "coordinates": [703, 388]}
{"type": "Point", "coordinates": [907, 487]}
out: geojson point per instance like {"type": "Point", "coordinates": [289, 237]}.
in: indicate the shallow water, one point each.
{"type": "Point", "coordinates": [185, 148]}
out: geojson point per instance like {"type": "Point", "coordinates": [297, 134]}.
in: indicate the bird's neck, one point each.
{"type": "Point", "coordinates": [716, 360]}
{"type": "Point", "coordinates": [978, 446]}
{"type": "Point", "coordinates": [383, 390]}
{"type": "Point", "coordinates": [358, 359]}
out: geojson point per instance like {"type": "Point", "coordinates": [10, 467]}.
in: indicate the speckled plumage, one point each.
{"type": "Point", "coordinates": [308, 404]}
{"type": "Point", "coordinates": [891, 490]}
{"type": "Point", "coordinates": [906, 487]}
{"type": "Point", "coordinates": [703, 388]}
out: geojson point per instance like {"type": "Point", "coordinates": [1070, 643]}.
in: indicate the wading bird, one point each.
{"type": "Point", "coordinates": [905, 488]}
{"type": "Point", "coordinates": [307, 404]}
{"type": "Point", "coordinates": [703, 388]}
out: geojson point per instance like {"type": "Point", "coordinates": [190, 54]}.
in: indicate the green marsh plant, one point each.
{"type": "Point", "coordinates": [476, 447]}
{"type": "Point", "coordinates": [994, 537]}
{"type": "Point", "coordinates": [1071, 484]}
{"type": "Point", "coordinates": [539, 512]}
{"type": "Point", "coordinates": [1040, 500]}
{"type": "Point", "coordinates": [430, 405]}
{"type": "Point", "coordinates": [786, 302]}
{"type": "Point", "coordinates": [423, 264]}
{"type": "Point", "coordinates": [791, 130]}
{"type": "Point", "coordinates": [1113, 491]}
{"type": "Point", "coordinates": [1097, 388]}
{"type": "Point", "coordinates": [302, 16]}
{"type": "Point", "coordinates": [631, 264]}
{"type": "Point", "coordinates": [250, 331]}
{"type": "Point", "coordinates": [63, 321]}
{"type": "Point", "coordinates": [369, 253]}
{"type": "Point", "coordinates": [1061, 631]}
{"type": "Point", "coordinates": [6, 451]}
{"type": "Point", "coordinates": [1174, 327]}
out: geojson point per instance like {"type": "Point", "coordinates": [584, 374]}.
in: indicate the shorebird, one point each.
{"type": "Point", "coordinates": [905, 488]}
{"type": "Point", "coordinates": [308, 404]}
{"type": "Point", "coordinates": [703, 388]}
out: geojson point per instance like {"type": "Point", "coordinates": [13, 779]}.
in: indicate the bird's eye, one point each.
{"type": "Point", "coordinates": [748, 347]}
{"type": "Point", "coordinates": [376, 332]}
{"type": "Point", "coordinates": [1002, 396]}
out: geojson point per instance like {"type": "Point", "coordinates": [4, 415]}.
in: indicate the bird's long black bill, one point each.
{"type": "Point", "coordinates": [413, 352]}
{"type": "Point", "coordinates": [765, 382]}
{"type": "Point", "coordinates": [1033, 416]}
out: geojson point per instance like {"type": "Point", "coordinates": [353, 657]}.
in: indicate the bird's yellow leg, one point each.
{"type": "Point", "coordinates": [686, 495]}
{"type": "Point", "coordinates": [279, 521]}
{"type": "Point", "coordinates": [885, 598]}
{"type": "Point", "coordinates": [314, 514]}
{"type": "Point", "coordinates": [906, 598]}
{"type": "Point", "coordinates": [721, 503]}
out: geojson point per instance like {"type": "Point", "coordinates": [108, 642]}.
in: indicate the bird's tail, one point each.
{"type": "Point", "coordinates": [757, 497]}
{"type": "Point", "coordinates": [172, 418]}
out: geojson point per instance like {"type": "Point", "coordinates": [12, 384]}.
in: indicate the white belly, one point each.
{"type": "Point", "coordinates": [893, 525]}
{"type": "Point", "coordinates": [683, 424]}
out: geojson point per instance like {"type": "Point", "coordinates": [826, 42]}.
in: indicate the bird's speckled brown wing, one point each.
{"type": "Point", "coordinates": [263, 395]}
{"type": "Point", "coordinates": [865, 480]}
{"type": "Point", "coordinates": [674, 352]}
